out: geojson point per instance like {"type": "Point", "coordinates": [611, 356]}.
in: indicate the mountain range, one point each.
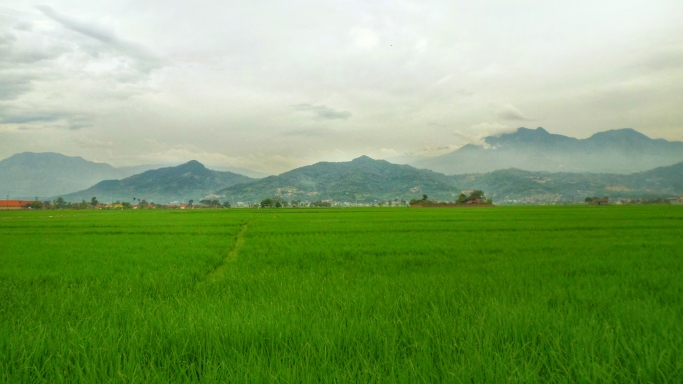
{"type": "Point", "coordinates": [28, 175]}
{"type": "Point", "coordinates": [518, 186]}
{"type": "Point", "coordinates": [191, 180]}
{"type": "Point", "coordinates": [367, 180]}
{"type": "Point", "coordinates": [616, 151]}
{"type": "Point", "coordinates": [362, 179]}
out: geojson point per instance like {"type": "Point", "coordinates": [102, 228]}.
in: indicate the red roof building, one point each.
{"type": "Point", "coordinates": [14, 204]}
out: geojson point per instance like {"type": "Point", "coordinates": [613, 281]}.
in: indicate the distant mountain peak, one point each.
{"type": "Point", "coordinates": [522, 131]}
{"type": "Point", "coordinates": [363, 158]}
{"type": "Point", "coordinates": [615, 151]}
{"type": "Point", "coordinates": [185, 181]}
{"type": "Point", "coordinates": [362, 179]}
{"type": "Point", "coordinates": [623, 133]}
{"type": "Point", "coordinates": [191, 165]}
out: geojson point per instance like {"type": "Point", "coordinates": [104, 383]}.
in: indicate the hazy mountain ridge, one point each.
{"type": "Point", "coordinates": [368, 180]}
{"type": "Point", "coordinates": [187, 181]}
{"type": "Point", "coordinates": [362, 179]}
{"type": "Point", "coordinates": [28, 174]}
{"type": "Point", "coordinates": [617, 151]}
{"type": "Point", "coordinates": [514, 184]}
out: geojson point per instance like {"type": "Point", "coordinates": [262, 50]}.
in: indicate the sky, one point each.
{"type": "Point", "coordinates": [273, 85]}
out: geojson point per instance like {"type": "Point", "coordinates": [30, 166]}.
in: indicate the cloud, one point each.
{"type": "Point", "coordinates": [364, 38]}
{"type": "Point", "coordinates": [510, 112]}
{"type": "Point", "coordinates": [84, 28]}
{"type": "Point", "coordinates": [478, 132]}
{"type": "Point", "coordinates": [85, 142]}
{"type": "Point", "coordinates": [28, 118]}
{"type": "Point", "coordinates": [145, 61]}
{"type": "Point", "coordinates": [229, 73]}
{"type": "Point", "coordinates": [21, 47]}
{"type": "Point", "coordinates": [24, 117]}
{"type": "Point", "coordinates": [323, 112]}
{"type": "Point", "coordinates": [385, 152]}
{"type": "Point", "coordinates": [309, 132]}
{"type": "Point", "coordinates": [12, 85]}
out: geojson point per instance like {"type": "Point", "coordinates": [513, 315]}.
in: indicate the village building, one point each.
{"type": "Point", "coordinates": [474, 199]}
{"type": "Point", "coordinates": [600, 201]}
{"type": "Point", "coordinates": [676, 200]}
{"type": "Point", "coordinates": [14, 204]}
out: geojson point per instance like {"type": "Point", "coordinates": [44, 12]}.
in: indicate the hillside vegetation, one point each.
{"type": "Point", "coordinates": [187, 181]}
{"type": "Point", "coordinates": [513, 184]}
{"type": "Point", "coordinates": [362, 179]}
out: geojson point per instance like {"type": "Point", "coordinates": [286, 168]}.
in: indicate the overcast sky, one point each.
{"type": "Point", "coordinates": [272, 85]}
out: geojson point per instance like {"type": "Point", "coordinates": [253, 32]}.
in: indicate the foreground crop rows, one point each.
{"type": "Point", "coordinates": [502, 294]}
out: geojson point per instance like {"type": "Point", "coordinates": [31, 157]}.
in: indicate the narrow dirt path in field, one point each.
{"type": "Point", "coordinates": [217, 272]}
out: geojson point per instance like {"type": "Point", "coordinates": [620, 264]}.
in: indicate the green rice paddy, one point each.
{"type": "Point", "coordinates": [543, 294]}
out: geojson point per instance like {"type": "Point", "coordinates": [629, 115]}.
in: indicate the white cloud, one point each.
{"type": "Point", "coordinates": [87, 142]}
{"type": "Point", "coordinates": [230, 78]}
{"type": "Point", "coordinates": [478, 132]}
{"type": "Point", "coordinates": [510, 112]}
{"type": "Point", "coordinates": [323, 112]}
{"type": "Point", "coordinates": [364, 38]}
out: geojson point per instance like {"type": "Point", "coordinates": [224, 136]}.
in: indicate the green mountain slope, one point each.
{"type": "Point", "coordinates": [362, 179]}
{"type": "Point", "coordinates": [522, 186]}
{"type": "Point", "coordinates": [187, 181]}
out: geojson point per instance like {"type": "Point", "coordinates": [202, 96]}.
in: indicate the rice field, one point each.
{"type": "Point", "coordinates": [527, 294]}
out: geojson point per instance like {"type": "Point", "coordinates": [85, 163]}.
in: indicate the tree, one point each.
{"type": "Point", "coordinates": [226, 204]}
{"type": "Point", "coordinates": [60, 203]}
{"type": "Point", "coordinates": [34, 205]}
{"type": "Point", "coordinates": [94, 201]}
{"type": "Point", "coordinates": [126, 205]}
{"type": "Point", "coordinates": [215, 203]}
{"type": "Point", "coordinates": [588, 199]}
{"type": "Point", "coordinates": [424, 197]}
{"type": "Point", "coordinates": [278, 204]}
{"type": "Point", "coordinates": [461, 199]}
{"type": "Point", "coordinates": [143, 204]}
{"type": "Point", "coordinates": [190, 203]}
{"type": "Point", "coordinates": [266, 203]}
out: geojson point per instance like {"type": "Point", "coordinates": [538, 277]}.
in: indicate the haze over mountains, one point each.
{"type": "Point", "coordinates": [525, 156]}
{"type": "Point", "coordinates": [362, 179]}
{"type": "Point", "coordinates": [27, 175]}
{"type": "Point", "coordinates": [517, 186]}
{"type": "Point", "coordinates": [365, 180]}
{"type": "Point", "coordinates": [615, 151]}
{"type": "Point", "coordinates": [187, 181]}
